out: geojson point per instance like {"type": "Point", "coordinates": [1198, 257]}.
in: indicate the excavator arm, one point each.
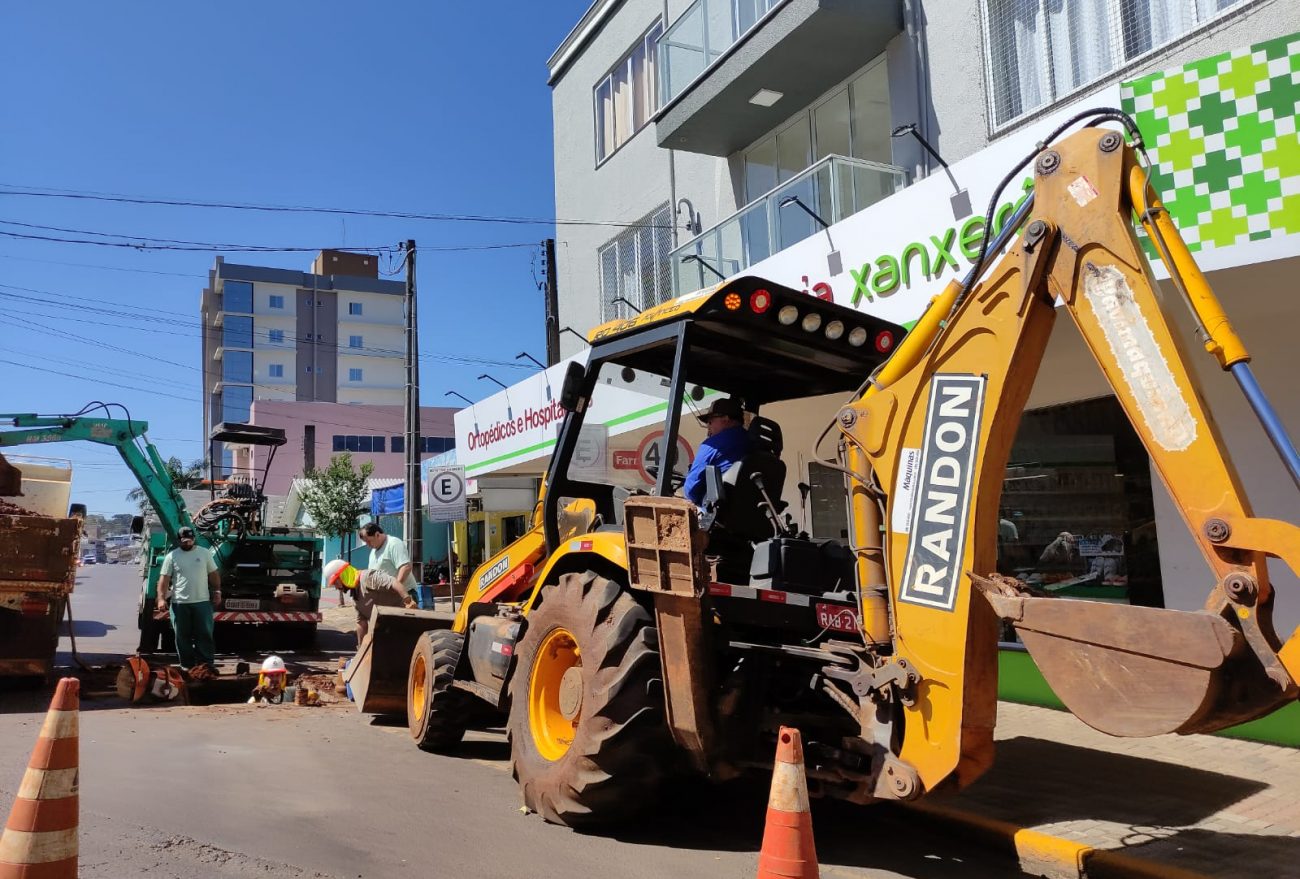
{"type": "Point", "coordinates": [124, 435]}
{"type": "Point", "coordinates": [928, 440]}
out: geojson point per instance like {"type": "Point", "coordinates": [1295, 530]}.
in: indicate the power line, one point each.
{"type": "Point", "coordinates": [13, 189]}
{"type": "Point", "coordinates": [86, 265]}
{"type": "Point", "coordinates": [144, 244]}
{"type": "Point", "coordinates": [156, 316]}
{"type": "Point", "coordinates": [99, 379]}
{"type": "Point", "coordinates": [149, 242]}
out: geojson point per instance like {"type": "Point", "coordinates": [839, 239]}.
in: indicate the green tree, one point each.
{"type": "Point", "coordinates": [182, 475]}
{"type": "Point", "coordinates": [336, 496]}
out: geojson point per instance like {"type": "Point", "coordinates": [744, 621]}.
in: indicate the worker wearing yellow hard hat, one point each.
{"type": "Point", "coordinates": [369, 588]}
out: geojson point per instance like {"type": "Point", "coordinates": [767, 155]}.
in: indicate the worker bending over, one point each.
{"type": "Point", "coordinates": [369, 588]}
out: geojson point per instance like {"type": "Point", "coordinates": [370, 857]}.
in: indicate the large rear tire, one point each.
{"type": "Point", "coordinates": [587, 730]}
{"type": "Point", "coordinates": [437, 714]}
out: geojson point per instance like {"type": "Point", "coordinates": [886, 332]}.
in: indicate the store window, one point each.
{"type": "Point", "coordinates": [1077, 517]}
{"type": "Point", "coordinates": [1038, 53]}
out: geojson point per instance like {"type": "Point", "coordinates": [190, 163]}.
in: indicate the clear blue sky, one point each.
{"type": "Point", "coordinates": [429, 107]}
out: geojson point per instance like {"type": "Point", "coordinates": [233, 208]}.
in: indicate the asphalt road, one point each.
{"type": "Point", "coordinates": [239, 791]}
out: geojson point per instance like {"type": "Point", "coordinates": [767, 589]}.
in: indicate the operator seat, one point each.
{"type": "Point", "coordinates": [740, 519]}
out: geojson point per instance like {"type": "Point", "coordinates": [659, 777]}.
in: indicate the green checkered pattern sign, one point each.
{"type": "Point", "coordinates": [1223, 134]}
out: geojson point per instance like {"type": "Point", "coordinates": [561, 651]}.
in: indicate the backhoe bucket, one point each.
{"type": "Point", "coordinates": [1141, 671]}
{"type": "Point", "coordinates": [377, 674]}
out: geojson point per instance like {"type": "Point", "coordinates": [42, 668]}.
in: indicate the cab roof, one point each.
{"type": "Point", "coordinates": [739, 342]}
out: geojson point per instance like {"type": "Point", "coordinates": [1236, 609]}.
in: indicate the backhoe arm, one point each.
{"type": "Point", "coordinates": [928, 442]}
{"type": "Point", "coordinates": [146, 465]}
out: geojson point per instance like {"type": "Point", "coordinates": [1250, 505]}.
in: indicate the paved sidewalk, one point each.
{"type": "Point", "coordinates": [1223, 807]}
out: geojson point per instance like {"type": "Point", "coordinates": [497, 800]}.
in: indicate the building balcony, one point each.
{"type": "Point", "coordinates": [731, 70]}
{"type": "Point", "coordinates": [833, 189]}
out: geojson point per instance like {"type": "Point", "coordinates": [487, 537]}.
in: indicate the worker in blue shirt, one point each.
{"type": "Point", "coordinates": [727, 443]}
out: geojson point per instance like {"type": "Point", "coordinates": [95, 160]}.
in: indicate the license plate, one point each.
{"type": "Point", "coordinates": [837, 618]}
{"type": "Point", "coordinates": [241, 604]}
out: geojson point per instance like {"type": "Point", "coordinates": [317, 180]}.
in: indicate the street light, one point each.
{"type": "Point", "coordinates": [462, 396]}
{"type": "Point", "coordinates": [960, 199]}
{"type": "Point", "coordinates": [834, 264]}
{"type": "Point", "coordinates": [510, 415]}
{"type": "Point", "coordinates": [625, 302]}
{"type": "Point", "coordinates": [581, 337]}
{"type": "Point", "coordinates": [695, 257]}
{"type": "Point", "coordinates": [523, 354]}
{"type": "Point", "coordinates": [794, 199]}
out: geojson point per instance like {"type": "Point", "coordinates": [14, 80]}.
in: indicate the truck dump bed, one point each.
{"type": "Point", "coordinates": [38, 569]}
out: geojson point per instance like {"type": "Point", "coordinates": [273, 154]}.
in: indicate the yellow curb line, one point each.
{"type": "Point", "coordinates": [1051, 855]}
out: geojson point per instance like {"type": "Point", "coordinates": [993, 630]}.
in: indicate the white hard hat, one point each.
{"type": "Point", "coordinates": [332, 570]}
{"type": "Point", "coordinates": [273, 665]}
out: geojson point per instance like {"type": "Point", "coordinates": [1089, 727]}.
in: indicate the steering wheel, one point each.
{"type": "Point", "coordinates": [675, 480]}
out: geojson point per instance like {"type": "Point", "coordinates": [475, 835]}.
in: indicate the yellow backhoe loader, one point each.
{"type": "Point", "coordinates": [650, 633]}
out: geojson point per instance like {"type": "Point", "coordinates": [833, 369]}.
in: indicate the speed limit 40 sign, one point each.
{"type": "Point", "coordinates": [650, 456]}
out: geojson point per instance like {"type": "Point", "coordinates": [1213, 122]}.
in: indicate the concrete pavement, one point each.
{"type": "Point", "coordinates": [1224, 807]}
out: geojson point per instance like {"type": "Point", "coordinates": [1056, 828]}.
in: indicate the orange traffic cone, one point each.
{"type": "Point", "coordinates": [40, 837]}
{"type": "Point", "coordinates": [788, 851]}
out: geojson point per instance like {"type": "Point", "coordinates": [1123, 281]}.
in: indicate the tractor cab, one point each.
{"type": "Point", "coordinates": [739, 347]}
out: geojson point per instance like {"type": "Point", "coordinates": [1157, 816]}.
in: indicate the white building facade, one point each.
{"type": "Point", "coordinates": [723, 134]}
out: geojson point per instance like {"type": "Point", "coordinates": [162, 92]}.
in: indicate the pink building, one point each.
{"type": "Point", "coordinates": [316, 431]}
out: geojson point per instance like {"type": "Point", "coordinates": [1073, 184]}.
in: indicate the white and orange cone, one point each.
{"type": "Point", "coordinates": [40, 837]}
{"type": "Point", "coordinates": [788, 851]}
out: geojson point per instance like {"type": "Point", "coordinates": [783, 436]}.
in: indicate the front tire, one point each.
{"type": "Point", "coordinates": [437, 714]}
{"type": "Point", "coordinates": [587, 731]}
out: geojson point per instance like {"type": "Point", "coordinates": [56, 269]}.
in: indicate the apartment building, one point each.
{"type": "Point", "coordinates": [334, 334]}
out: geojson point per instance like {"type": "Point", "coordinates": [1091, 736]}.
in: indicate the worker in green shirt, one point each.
{"type": "Point", "coordinates": [189, 582]}
{"type": "Point", "coordinates": [389, 554]}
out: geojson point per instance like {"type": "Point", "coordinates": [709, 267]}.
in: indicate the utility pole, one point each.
{"type": "Point", "coordinates": [412, 525]}
{"type": "Point", "coordinates": [552, 305]}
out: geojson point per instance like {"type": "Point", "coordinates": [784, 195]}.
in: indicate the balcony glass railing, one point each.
{"type": "Point", "coordinates": [834, 188]}
{"type": "Point", "coordinates": [697, 39]}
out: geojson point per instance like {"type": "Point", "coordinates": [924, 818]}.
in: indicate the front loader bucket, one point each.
{"type": "Point", "coordinates": [1142, 671]}
{"type": "Point", "coordinates": [377, 674]}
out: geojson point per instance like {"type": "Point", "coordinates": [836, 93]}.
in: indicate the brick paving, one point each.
{"type": "Point", "coordinates": [1223, 807]}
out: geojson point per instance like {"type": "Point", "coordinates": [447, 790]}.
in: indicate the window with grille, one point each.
{"type": "Point", "coordinates": [635, 266]}
{"type": "Point", "coordinates": [1039, 51]}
